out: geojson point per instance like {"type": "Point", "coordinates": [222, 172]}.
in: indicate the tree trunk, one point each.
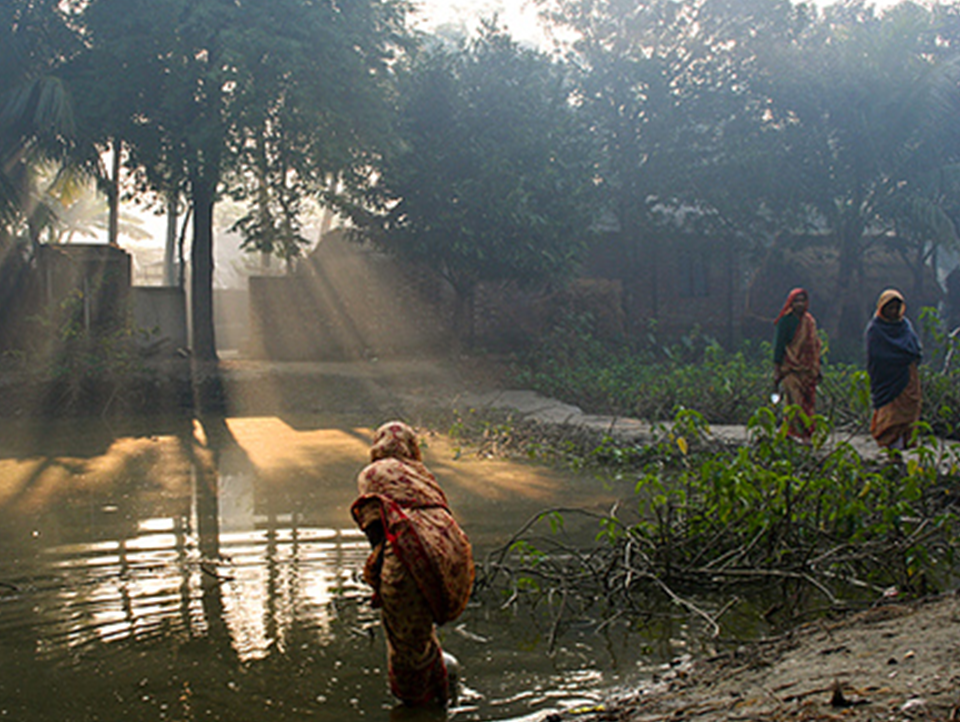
{"type": "Point", "coordinates": [170, 248]}
{"type": "Point", "coordinates": [847, 322]}
{"type": "Point", "coordinates": [731, 256]}
{"type": "Point", "coordinates": [919, 264]}
{"type": "Point", "coordinates": [633, 270]}
{"type": "Point", "coordinates": [113, 227]}
{"type": "Point", "coordinates": [201, 276]}
{"type": "Point", "coordinates": [652, 254]}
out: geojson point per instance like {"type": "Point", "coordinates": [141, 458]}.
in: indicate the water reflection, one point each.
{"type": "Point", "coordinates": [209, 570]}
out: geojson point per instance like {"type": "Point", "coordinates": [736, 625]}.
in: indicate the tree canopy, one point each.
{"type": "Point", "coordinates": [864, 110]}
{"type": "Point", "coordinates": [36, 113]}
{"type": "Point", "coordinates": [493, 176]}
{"type": "Point", "coordinates": [266, 100]}
{"type": "Point", "coordinates": [744, 121]}
{"type": "Point", "coordinates": [770, 119]}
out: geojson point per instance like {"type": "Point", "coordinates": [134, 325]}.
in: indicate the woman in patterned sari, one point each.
{"type": "Point", "coordinates": [893, 352]}
{"type": "Point", "coordinates": [796, 359]}
{"type": "Point", "coordinates": [421, 568]}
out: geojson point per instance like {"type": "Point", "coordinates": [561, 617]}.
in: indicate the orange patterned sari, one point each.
{"type": "Point", "coordinates": [801, 368]}
{"type": "Point", "coordinates": [422, 572]}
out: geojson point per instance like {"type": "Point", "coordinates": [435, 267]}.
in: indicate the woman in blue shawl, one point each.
{"type": "Point", "coordinates": [893, 352]}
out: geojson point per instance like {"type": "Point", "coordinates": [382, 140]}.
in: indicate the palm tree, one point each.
{"type": "Point", "coordinates": [36, 119]}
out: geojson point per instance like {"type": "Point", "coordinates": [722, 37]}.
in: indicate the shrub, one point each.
{"type": "Point", "coordinates": [654, 380]}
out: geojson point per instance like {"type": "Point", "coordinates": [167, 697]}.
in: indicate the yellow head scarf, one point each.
{"type": "Point", "coordinates": [889, 295]}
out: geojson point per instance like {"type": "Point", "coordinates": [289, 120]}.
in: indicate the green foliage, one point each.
{"type": "Point", "coordinates": [79, 362]}
{"type": "Point", "coordinates": [65, 348]}
{"type": "Point", "coordinates": [776, 504]}
{"type": "Point", "coordinates": [267, 100]}
{"type": "Point", "coordinates": [940, 374]}
{"type": "Point", "coordinates": [714, 519]}
{"type": "Point", "coordinates": [654, 381]}
{"type": "Point", "coordinates": [649, 382]}
{"type": "Point", "coordinates": [493, 175]}
{"type": "Point", "coordinates": [36, 112]}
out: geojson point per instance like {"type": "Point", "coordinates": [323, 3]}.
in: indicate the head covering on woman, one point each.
{"type": "Point", "coordinates": [395, 439]}
{"type": "Point", "coordinates": [891, 294]}
{"type": "Point", "coordinates": [788, 304]}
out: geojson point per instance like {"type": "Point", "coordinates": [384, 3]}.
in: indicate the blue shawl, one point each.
{"type": "Point", "coordinates": [891, 347]}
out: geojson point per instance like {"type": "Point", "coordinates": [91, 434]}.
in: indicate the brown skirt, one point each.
{"type": "Point", "coordinates": [414, 658]}
{"type": "Point", "coordinates": [800, 388]}
{"type": "Point", "coordinates": [896, 420]}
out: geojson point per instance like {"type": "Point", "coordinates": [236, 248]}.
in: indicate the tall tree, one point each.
{"type": "Point", "coordinates": [667, 86]}
{"type": "Point", "coordinates": [865, 106]}
{"type": "Point", "coordinates": [195, 88]}
{"type": "Point", "coordinates": [922, 213]}
{"type": "Point", "coordinates": [494, 175]}
{"type": "Point", "coordinates": [768, 117]}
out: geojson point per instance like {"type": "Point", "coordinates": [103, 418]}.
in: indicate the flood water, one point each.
{"type": "Point", "coordinates": [209, 570]}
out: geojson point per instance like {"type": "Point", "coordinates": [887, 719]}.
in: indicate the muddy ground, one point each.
{"type": "Point", "coordinates": [893, 662]}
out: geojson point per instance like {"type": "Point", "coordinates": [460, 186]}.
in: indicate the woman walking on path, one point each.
{"type": "Point", "coordinates": [893, 352]}
{"type": "Point", "coordinates": [796, 359]}
{"type": "Point", "coordinates": [421, 567]}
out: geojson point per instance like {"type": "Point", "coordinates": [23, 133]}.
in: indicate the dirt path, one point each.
{"type": "Point", "coordinates": [895, 662]}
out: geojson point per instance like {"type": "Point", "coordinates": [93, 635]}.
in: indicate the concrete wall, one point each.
{"type": "Point", "coordinates": [101, 274]}
{"type": "Point", "coordinates": [64, 291]}
{"type": "Point", "coordinates": [508, 318]}
{"type": "Point", "coordinates": [162, 313]}
{"type": "Point", "coordinates": [231, 318]}
{"type": "Point", "coordinates": [350, 301]}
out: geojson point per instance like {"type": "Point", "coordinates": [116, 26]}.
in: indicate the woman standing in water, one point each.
{"type": "Point", "coordinates": [421, 567]}
{"type": "Point", "coordinates": [796, 359]}
{"type": "Point", "coordinates": [893, 352]}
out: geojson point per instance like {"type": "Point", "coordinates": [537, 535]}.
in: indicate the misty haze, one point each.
{"type": "Point", "coordinates": [564, 359]}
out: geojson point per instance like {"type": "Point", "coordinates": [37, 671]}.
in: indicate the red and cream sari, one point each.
{"type": "Point", "coordinates": [422, 572]}
{"type": "Point", "coordinates": [800, 368]}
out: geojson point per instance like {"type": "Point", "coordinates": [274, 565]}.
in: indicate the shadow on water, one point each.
{"type": "Point", "coordinates": [207, 568]}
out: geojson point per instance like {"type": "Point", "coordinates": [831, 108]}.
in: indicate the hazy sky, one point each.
{"type": "Point", "coordinates": [519, 16]}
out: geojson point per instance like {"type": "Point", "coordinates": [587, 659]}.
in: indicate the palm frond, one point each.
{"type": "Point", "coordinates": [925, 219]}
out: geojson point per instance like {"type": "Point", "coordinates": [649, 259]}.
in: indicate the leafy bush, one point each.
{"type": "Point", "coordinates": [816, 527]}
{"type": "Point", "coordinates": [774, 504]}
{"type": "Point", "coordinates": [75, 366]}
{"type": "Point", "coordinates": [710, 520]}
{"type": "Point", "coordinates": [654, 380]}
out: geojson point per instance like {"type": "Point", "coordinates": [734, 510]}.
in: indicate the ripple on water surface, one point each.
{"type": "Point", "coordinates": [182, 575]}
